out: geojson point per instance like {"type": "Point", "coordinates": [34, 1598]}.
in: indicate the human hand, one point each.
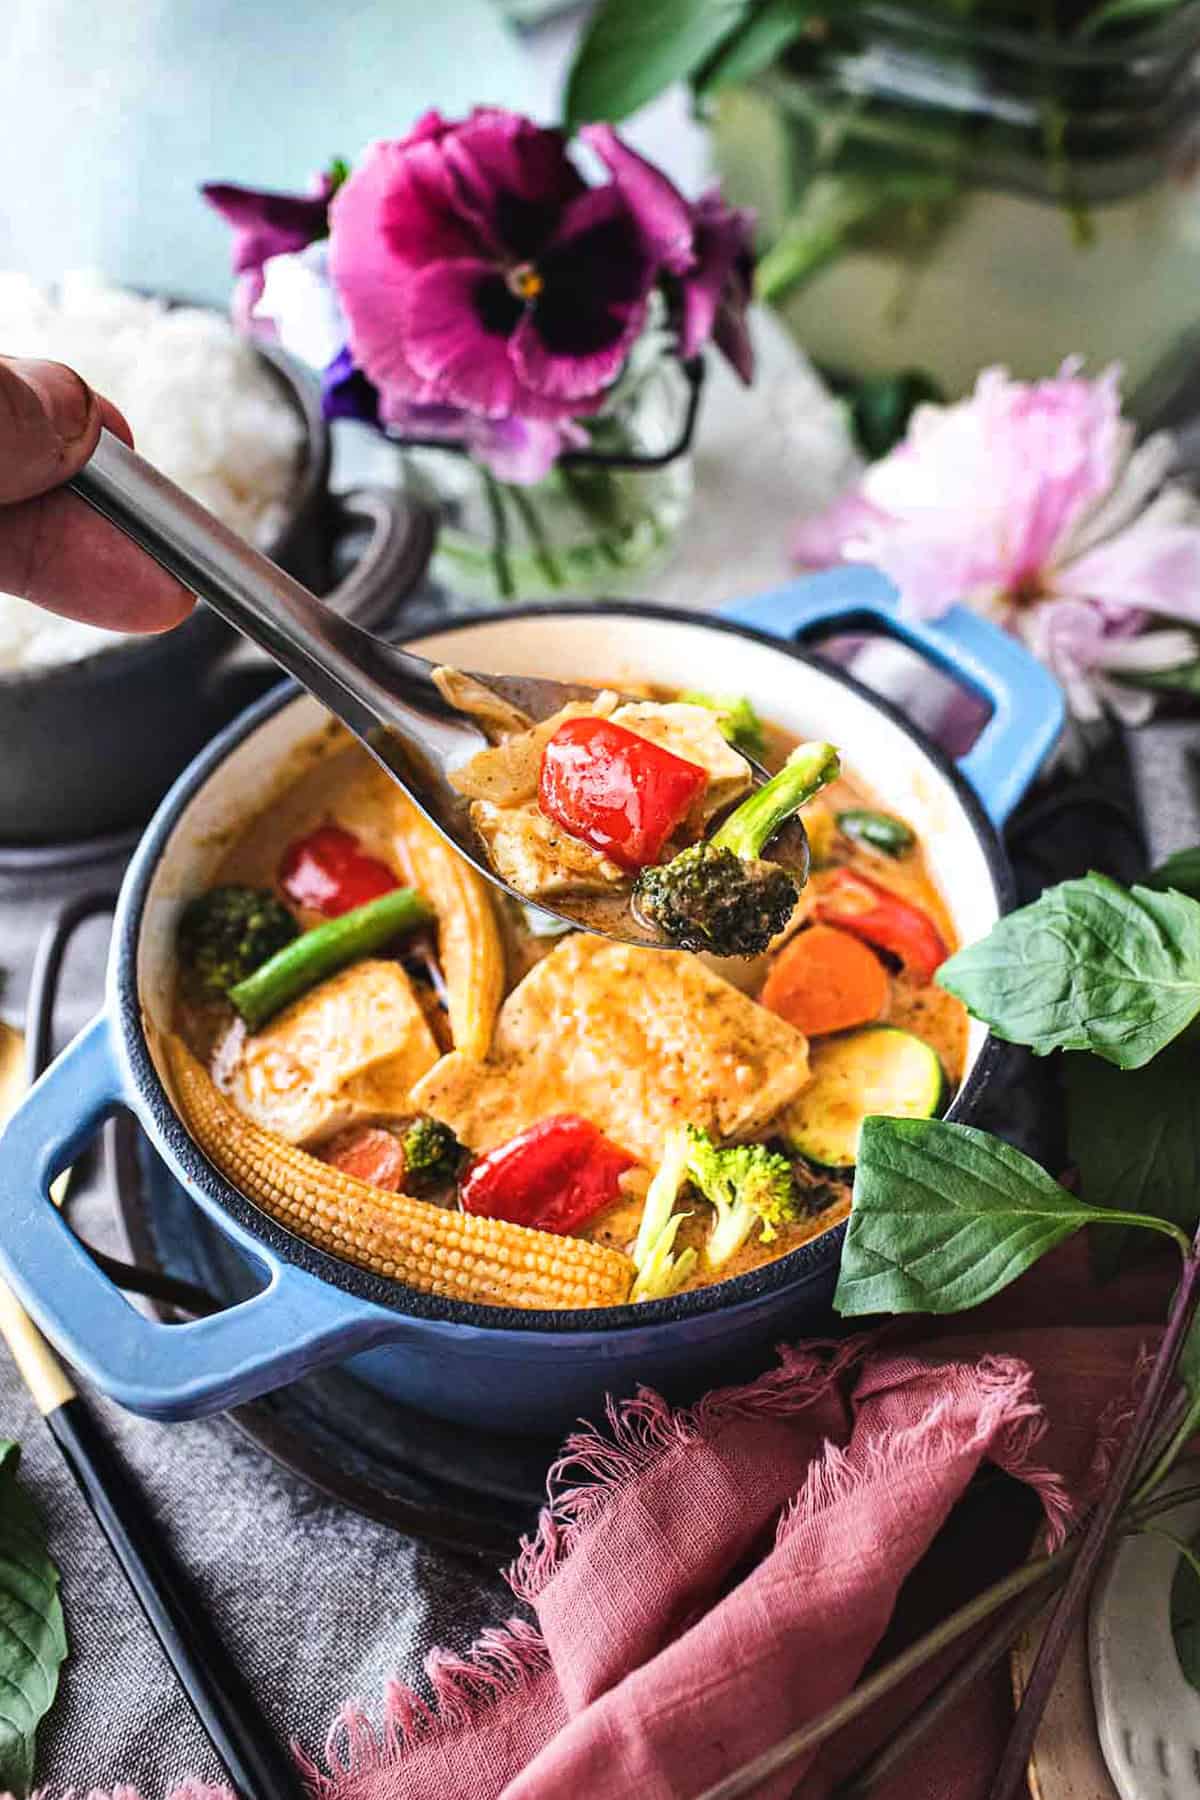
{"type": "Point", "coordinates": [54, 549]}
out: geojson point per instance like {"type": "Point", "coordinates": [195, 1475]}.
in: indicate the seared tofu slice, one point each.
{"type": "Point", "coordinates": [349, 1050]}
{"type": "Point", "coordinates": [635, 1040]}
{"type": "Point", "coordinates": [537, 856]}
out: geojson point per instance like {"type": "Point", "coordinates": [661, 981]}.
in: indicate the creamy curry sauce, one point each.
{"type": "Point", "coordinates": [338, 783]}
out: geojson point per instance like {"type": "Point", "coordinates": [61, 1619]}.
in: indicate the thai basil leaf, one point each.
{"type": "Point", "coordinates": [631, 51]}
{"type": "Point", "coordinates": [769, 30]}
{"type": "Point", "coordinates": [1089, 966]}
{"type": "Point", "coordinates": [945, 1216]}
{"type": "Point", "coordinates": [1181, 872]}
{"type": "Point", "coordinates": [33, 1641]}
{"type": "Point", "coordinates": [1185, 1613]}
{"type": "Point", "coordinates": [1135, 1136]}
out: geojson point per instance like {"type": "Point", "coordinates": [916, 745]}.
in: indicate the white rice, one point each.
{"type": "Point", "coordinates": [200, 403]}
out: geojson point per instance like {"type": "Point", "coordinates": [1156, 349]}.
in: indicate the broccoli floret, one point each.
{"type": "Point", "coordinates": [718, 895]}
{"type": "Point", "coordinates": [227, 933]}
{"type": "Point", "coordinates": [432, 1156]}
{"type": "Point", "coordinates": [746, 1185]}
{"type": "Point", "coordinates": [709, 899]}
{"type": "Point", "coordinates": [751, 826]}
{"type": "Point", "coordinates": [740, 724]}
{"type": "Point", "coordinates": [660, 1270]}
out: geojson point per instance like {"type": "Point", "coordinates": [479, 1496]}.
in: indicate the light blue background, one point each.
{"type": "Point", "coordinates": [112, 111]}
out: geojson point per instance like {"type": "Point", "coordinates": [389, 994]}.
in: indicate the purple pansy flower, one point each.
{"type": "Point", "coordinates": [346, 393]}
{"type": "Point", "coordinates": [477, 270]}
{"type": "Point", "coordinates": [268, 224]}
{"type": "Point", "coordinates": [708, 247]}
{"type": "Point", "coordinates": [515, 449]}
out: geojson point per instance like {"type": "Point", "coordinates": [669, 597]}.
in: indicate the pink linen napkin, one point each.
{"type": "Point", "coordinates": [704, 1580]}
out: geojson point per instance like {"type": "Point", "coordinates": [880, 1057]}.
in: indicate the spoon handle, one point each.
{"type": "Point", "coordinates": [364, 682]}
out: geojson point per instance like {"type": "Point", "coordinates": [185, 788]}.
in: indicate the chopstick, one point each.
{"type": "Point", "coordinates": [257, 1767]}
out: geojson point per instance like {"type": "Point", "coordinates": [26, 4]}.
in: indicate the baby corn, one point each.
{"type": "Point", "coordinates": [486, 1261]}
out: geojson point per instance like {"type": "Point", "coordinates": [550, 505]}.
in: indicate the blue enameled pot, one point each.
{"type": "Point", "coordinates": [488, 1366]}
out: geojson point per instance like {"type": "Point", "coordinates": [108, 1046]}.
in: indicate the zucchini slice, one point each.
{"type": "Point", "coordinates": [876, 1070]}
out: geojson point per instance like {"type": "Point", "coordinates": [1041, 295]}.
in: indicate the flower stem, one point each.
{"type": "Point", "coordinates": [948, 1693]}
{"type": "Point", "coordinates": [1165, 1503]}
{"type": "Point", "coordinates": [809, 1736]}
{"type": "Point", "coordinates": [501, 561]}
{"type": "Point", "coordinates": [1184, 1428]}
{"type": "Point", "coordinates": [593, 492]}
{"type": "Point", "coordinates": [543, 553]}
{"type": "Point", "coordinates": [1011, 1775]}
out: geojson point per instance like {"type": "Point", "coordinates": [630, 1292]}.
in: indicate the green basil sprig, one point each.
{"type": "Point", "coordinates": [33, 1639]}
{"type": "Point", "coordinates": [1089, 966]}
{"type": "Point", "coordinates": [945, 1216]}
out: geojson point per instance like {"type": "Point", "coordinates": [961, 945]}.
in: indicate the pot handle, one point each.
{"type": "Point", "coordinates": [164, 1371]}
{"type": "Point", "coordinates": [1027, 703]}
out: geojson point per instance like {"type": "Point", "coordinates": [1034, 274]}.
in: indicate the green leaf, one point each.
{"type": "Point", "coordinates": [1121, 12]}
{"type": "Point", "coordinates": [1185, 1612]}
{"type": "Point", "coordinates": [754, 45]}
{"type": "Point", "coordinates": [1181, 872]}
{"type": "Point", "coordinates": [945, 1216]}
{"type": "Point", "coordinates": [1135, 1135]}
{"type": "Point", "coordinates": [1184, 678]}
{"type": "Point", "coordinates": [33, 1641]}
{"type": "Point", "coordinates": [631, 51]}
{"type": "Point", "coordinates": [1089, 966]}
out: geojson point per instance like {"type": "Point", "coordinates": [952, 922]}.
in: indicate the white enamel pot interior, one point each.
{"type": "Point", "coordinates": [504, 1368]}
{"type": "Point", "coordinates": [614, 648]}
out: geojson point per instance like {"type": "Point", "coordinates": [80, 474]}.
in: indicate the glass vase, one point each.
{"type": "Point", "coordinates": [941, 192]}
{"type": "Point", "coordinates": [601, 522]}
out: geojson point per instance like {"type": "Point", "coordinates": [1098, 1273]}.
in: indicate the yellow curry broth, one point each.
{"type": "Point", "coordinates": [343, 785]}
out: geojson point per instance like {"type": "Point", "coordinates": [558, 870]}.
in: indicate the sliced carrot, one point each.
{"type": "Point", "coordinates": [369, 1153]}
{"type": "Point", "coordinates": [826, 980]}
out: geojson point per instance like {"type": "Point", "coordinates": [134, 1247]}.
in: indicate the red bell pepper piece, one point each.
{"type": "Point", "coordinates": [330, 873]}
{"type": "Point", "coordinates": [616, 791]}
{"type": "Point", "coordinates": [554, 1176]}
{"type": "Point", "coordinates": [872, 912]}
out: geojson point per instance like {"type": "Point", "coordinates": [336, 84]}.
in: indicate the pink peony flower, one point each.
{"type": "Point", "coordinates": [1029, 502]}
{"type": "Point", "coordinates": [477, 270]}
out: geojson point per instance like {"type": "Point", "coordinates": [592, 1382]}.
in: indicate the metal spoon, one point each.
{"type": "Point", "coordinates": [387, 697]}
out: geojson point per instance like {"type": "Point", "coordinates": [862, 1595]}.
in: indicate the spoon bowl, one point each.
{"type": "Point", "coordinates": [398, 705]}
